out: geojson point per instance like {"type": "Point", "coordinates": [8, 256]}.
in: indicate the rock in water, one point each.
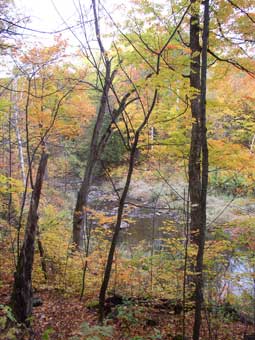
{"type": "Point", "coordinates": [124, 225]}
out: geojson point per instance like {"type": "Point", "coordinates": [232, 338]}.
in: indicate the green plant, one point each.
{"type": "Point", "coordinates": [156, 336]}
{"type": "Point", "coordinates": [115, 149]}
{"type": "Point", "coordinates": [129, 313]}
{"type": "Point", "coordinates": [46, 334]}
{"type": "Point", "coordinates": [95, 332]}
{"type": "Point", "coordinates": [229, 184]}
{"type": "Point", "coordinates": [9, 328]}
{"type": "Point", "coordinates": [8, 312]}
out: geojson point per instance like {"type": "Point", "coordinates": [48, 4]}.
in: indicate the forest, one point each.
{"type": "Point", "coordinates": [127, 172]}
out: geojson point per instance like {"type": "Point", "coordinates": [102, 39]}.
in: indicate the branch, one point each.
{"type": "Point", "coordinates": [242, 10]}
{"type": "Point", "coordinates": [174, 31]}
{"type": "Point", "coordinates": [38, 31]}
{"type": "Point", "coordinates": [232, 62]}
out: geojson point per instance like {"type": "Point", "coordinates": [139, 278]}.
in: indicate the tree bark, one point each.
{"type": "Point", "coordinates": [42, 255]}
{"type": "Point", "coordinates": [198, 171]}
{"type": "Point", "coordinates": [22, 295]}
{"type": "Point", "coordinates": [195, 147]}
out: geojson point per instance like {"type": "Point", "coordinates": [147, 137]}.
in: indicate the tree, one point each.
{"type": "Point", "coordinates": [41, 96]}
{"type": "Point", "coordinates": [148, 93]}
{"type": "Point", "coordinates": [8, 29]}
{"type": "Point", "coordinates": [198, 160]}
{"type": "Point", "coordinates": [22, 293]}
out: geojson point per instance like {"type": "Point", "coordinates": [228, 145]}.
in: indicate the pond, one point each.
{"type": "Point", "coordinates": [145, 226]}
{"type": "Point", "coordinates": [148, 226]}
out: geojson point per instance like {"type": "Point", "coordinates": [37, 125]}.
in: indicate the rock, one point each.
{"type": "Point", "coordinates": [106, 226]}
{"type": "Point", "coordinates": [124, 225]}
{"type": "Point", "coordinates": [249, 337]}
{"type": "Point", "coordinates": [37, 302]}
{"type": "Point", "coordinates": [151, 322]}
{"type": "Point", "coordinates": [170, 304]}
{"type": "Point", "coordinates": [110, 303]}
{"type": "Point", "coordinates": [114, 300]}
{"type": "Point", "coordinates": [178, 308]}
{"type": "Point", "coordinates": [179, 337]}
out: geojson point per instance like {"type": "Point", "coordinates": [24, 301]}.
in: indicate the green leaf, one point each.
{"type": "Point", "coordinates": [47, 333]}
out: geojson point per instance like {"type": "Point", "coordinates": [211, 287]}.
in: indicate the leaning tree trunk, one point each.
{"type": "Point", "coordinates": [82, 198]}
{"type": "Point", "coordinates": [99, 137]}
{"type": "Point", "coordinates": [108, 267]}
{"type": "Point", "coordinates": [132, 157]}
{"type": "Point", "coordinates": [106, 81]}
{"type": "Point", "coordinates": [22, 295]}
{"type": "Point", "coordinates": [97, 146]}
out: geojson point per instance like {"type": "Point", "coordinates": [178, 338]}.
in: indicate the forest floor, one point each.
{"type": "Point", "coordinates": [60, 318]}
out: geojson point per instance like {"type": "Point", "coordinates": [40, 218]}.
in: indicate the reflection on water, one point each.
{"type": "Point", "coordinates": [143, 229]}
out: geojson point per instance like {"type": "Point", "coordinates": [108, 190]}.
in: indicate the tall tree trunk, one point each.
{"type": "Point", "coordinates": [9, 214]}
{"type": "Point", "coordinates": [22, 295]}
{"type": "Point", "coordinates": [198, 162]}
{"type": "Point", "coordinates": [195, 147]}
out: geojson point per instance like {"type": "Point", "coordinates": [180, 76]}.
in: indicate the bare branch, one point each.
{"type": "Point", "coordinates": [242, 10]}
